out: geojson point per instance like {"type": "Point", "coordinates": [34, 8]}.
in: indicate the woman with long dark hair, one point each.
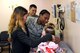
{"type": "Point", "coordinates": [21, 42]}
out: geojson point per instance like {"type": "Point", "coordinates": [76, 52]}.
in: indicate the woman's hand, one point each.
{"type": "Point", "coordinates": [10, 39]}
{"type": "Point", "coordinates": [57, 40]}
{"type": "Point", "coordinates": [43, 33]}
{"type": "Point", "coordinates": [53, 38]}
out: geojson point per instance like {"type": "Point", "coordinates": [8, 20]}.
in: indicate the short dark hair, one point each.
{"type": "Point", "coordinates": [32, 5]}
{"type": "Point", "coordinates": [43, 12]}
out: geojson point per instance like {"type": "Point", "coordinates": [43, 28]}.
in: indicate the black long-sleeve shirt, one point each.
{"type": "Point", "coordinates": [21, 42]}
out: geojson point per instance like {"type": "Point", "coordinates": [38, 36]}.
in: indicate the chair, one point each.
{"type": "Point", "coordinates": [3, 40]}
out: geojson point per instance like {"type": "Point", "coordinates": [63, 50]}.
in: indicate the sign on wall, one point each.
{"type": "Point", "coordinates": [77, 5]}
{"type": "Point", "coordinates": [73, 18]}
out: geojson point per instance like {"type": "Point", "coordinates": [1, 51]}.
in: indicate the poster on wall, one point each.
{"type": "Point", "coordinates": [54, 10]}
{"type": "Point", "coordinates": [67, 11]}
{"type": "Point", "coordinates": [73, 18]}
{"type": "Point", "coordinates": [77, 5]}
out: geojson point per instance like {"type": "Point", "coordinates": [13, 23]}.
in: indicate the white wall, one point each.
{"type": "Point", "coordinates": [7, 6]}
{"type": "Point", "coordinates": [73, 35]}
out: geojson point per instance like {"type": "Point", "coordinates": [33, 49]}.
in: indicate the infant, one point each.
{"type": "Point", "coordinates": [50, 46]}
